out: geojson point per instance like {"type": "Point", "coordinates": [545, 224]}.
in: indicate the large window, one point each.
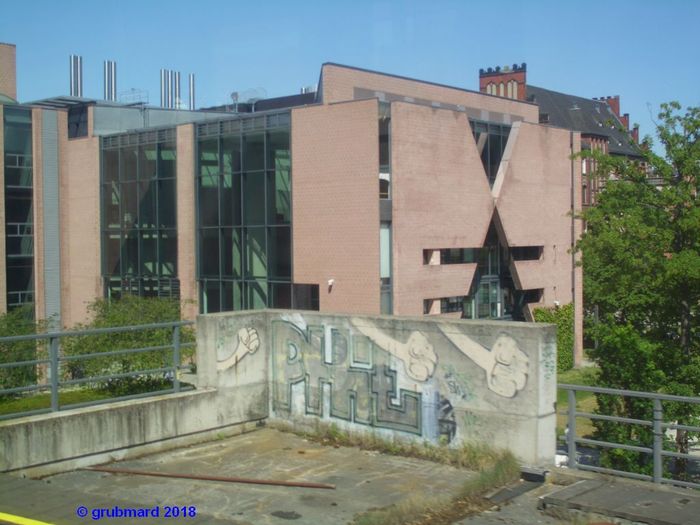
{"type": "Point", "coordinates": [491, 141]}
{"type": "Point", "coordinates": [19, 221]}
{"type": "Point", "coordinates": [139, 229]}
{"type": "Point", "coordinates": [244, 214]}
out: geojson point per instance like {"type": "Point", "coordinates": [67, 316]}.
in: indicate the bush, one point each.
{"type": "Point", "coordinates": [18, 321]}
{"type": "Point", "coordinates": [563, 317]}
{"type": "Point", "coordinates": [129, 310]}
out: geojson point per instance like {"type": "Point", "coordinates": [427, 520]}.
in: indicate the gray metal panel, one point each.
{"type": "Point", "coordinates": [52, 253]}
{"type": "Point", "coordinates": [384, 210]}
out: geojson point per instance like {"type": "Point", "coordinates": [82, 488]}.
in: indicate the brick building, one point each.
{"type": "Point", "coordinates": [373, 194]}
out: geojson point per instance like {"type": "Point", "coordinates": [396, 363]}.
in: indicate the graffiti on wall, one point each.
{"type": "Point", "coordinates": [361, 377]}
{"type": "Point", "coordinates": [247, 341]}
{"type": "Point", "coordinates": [365, 370]}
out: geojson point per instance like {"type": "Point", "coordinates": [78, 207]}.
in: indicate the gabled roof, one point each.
{"type": "Point", "coordinates": [590, 117]}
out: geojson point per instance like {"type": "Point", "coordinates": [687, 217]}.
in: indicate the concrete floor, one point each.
{"type": "Point", "coordinates": [363, 480]}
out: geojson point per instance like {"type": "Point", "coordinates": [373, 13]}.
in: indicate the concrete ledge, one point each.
{"type": "Point", "coordinates": [47, 444]}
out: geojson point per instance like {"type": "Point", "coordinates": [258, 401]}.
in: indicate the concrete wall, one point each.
{"type": "Point", "coordinates": [433, 380]}
{"type": "Point", "coordinates": [41, 445]}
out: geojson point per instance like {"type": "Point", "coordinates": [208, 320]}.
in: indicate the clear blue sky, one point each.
{"type": "Point", "coordinates": [644, 51]}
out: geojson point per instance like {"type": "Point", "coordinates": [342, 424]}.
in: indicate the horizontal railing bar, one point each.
{"type": "Point", "coordinates": [676, 426]}
{"type": "Point", "coordinates": [94, 331]}
{"type": "Point", "coordinates": [607, 444]}
{"type": "Point", "coordinates": [614, 472]}
{"type": "Point", "coordinates": [23, 389]}
{"type": "Point", "coordinates": [616, 419]}
{"type": "Point", "coordinates": [24, 363]}
{"type": "Point", "coordinates": [25, 413]}
{"type": "Point", "coordinates": [688, 484]}
{"type": "Point", "coordinates": [680, 455]}
{"type": "Point", "coordinates": [629, 393]}
{"type": "Point", "coordinates": [115, 352]}
{"type": "Point", "coordinates": [118, 376]}
{"type": "Point", "coordinates": [120, 398]}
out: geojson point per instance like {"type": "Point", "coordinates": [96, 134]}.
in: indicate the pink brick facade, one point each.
{"type": "Point", "coordinates": [335, 205]}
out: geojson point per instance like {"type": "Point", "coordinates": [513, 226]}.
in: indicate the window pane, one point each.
{"type": "Point", "coordinates": [254, 151]}
{"type": "Point", "coordinates": [232, 256]}
{"type": "Point", "coordinates": [110, 165]}
{"type": "Point", "coordinates": [254, 198]}
{"type": "Point", "coordinates": [255, 252]}
{"type": "Point", "coordinates": [209, 252]}
{"type": "Point", "coordinates": [231, 154]}
{"type": "Point", "coordinates": [128, 163]}
{"type": "Point", "coordinates": [232, 296]}
{"type": "Point", "coordinates": [230, 200]}
{"type": "Point", "coordinates": [166, 160]}
{"type": "Point", "coordinates": [168, 253]}
{"type": "Point", "coordinates": [110, 205]}
{"type": "Point", "coordinates": [149, 253]}
{"type": "Point", "coordinates": [130, 205]}
{"type": "Point", "coordinates": [211, 297]}
{"type": "Point", "coordinates": [256, 294]}
{"type": "Point", "coordinates": [278, 150]}
{"type": "Point", "coordinates": [147, 204]}
{"type": "Point", "coordinates": [279, 197]}
{"type": "Point", "coordinates": [166, 204]}
{"type": "Point", "coordinates": [280, 251]}
{"type": "Point", "coordinates": [208, 201]}
{"type": "Point", "coordinates": [281, 295]}
{"type": "Point", "coordinates": [209, 158]}
{"type": "Point", "coordinates": [147, 161]}
{"type": "Point", "coordinates": [130, 254]}
{"type": "Point", "coordinates": [112, 253]}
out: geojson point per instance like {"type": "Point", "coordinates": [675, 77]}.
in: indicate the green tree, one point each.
{"type": "Point", "coordinates": [641, 261]}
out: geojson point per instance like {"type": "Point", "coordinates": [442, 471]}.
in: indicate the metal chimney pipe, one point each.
{"type": "Point", "coordinates": [105, 78]}
{"type": "Point", "coordinates": [113, 82]}
{"type": "Point", "coordinates": [162, 88]}
{"type": "Point", "coordinates": [176, 90]}
{"type": "Point", "coordinates": [169, 88]}
{"type": "Point", "coordinates": [76, 76]}
{"type": "Point", "coordinates": [191, 91]}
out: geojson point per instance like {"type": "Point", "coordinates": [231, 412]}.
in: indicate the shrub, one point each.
{"type": "Point", "coordinates": [563, 317]}
{"type": "Point", "coordinates": [18, 321]}
{"type": "Point", "coordinates": [129, 310]}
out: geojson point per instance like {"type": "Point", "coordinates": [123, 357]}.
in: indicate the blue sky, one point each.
{"type": "Point", "coordinates": [644, 51]}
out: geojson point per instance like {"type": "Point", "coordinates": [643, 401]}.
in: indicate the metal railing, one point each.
{"type": "Point", "coordinates": [657, 424]}
{"type": "Point", "coordinates": [55, 359]}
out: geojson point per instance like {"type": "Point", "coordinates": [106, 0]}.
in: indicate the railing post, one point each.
{"type": "Point", "coordinates": [53, 363]}
{"type": "Point", "coordinates": [658, 441]}
{"type": "Point", "coordinates": [571, 435]}
{"type": "Point", "coordinates": [176, 357]}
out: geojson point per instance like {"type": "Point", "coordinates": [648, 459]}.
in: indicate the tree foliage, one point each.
{"type": "Point", "coordinates": [563, 317]}
{"type": "Point", "coordinates": [129, 310]}
{"type": "Point", "coordinates": [641, 260]}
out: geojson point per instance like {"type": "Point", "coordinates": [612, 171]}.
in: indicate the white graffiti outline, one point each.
{"type": "Point", "coordinates": [247, 342]}
{"type": "Point", "coordinates": [505, 364]}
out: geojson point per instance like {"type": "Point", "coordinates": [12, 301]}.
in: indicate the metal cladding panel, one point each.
{"type": "Point", "coordinates": [52, 259]}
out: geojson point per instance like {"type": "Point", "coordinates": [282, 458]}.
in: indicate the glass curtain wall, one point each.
{"type": "Point", "coordinates": [139, 227]}
{"type": "Point", "coordinates": [244, 213]}
{"type": "Point", "coordinates": [19, 222]}
{"type": "Point", "coordinates": [491, 142]}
